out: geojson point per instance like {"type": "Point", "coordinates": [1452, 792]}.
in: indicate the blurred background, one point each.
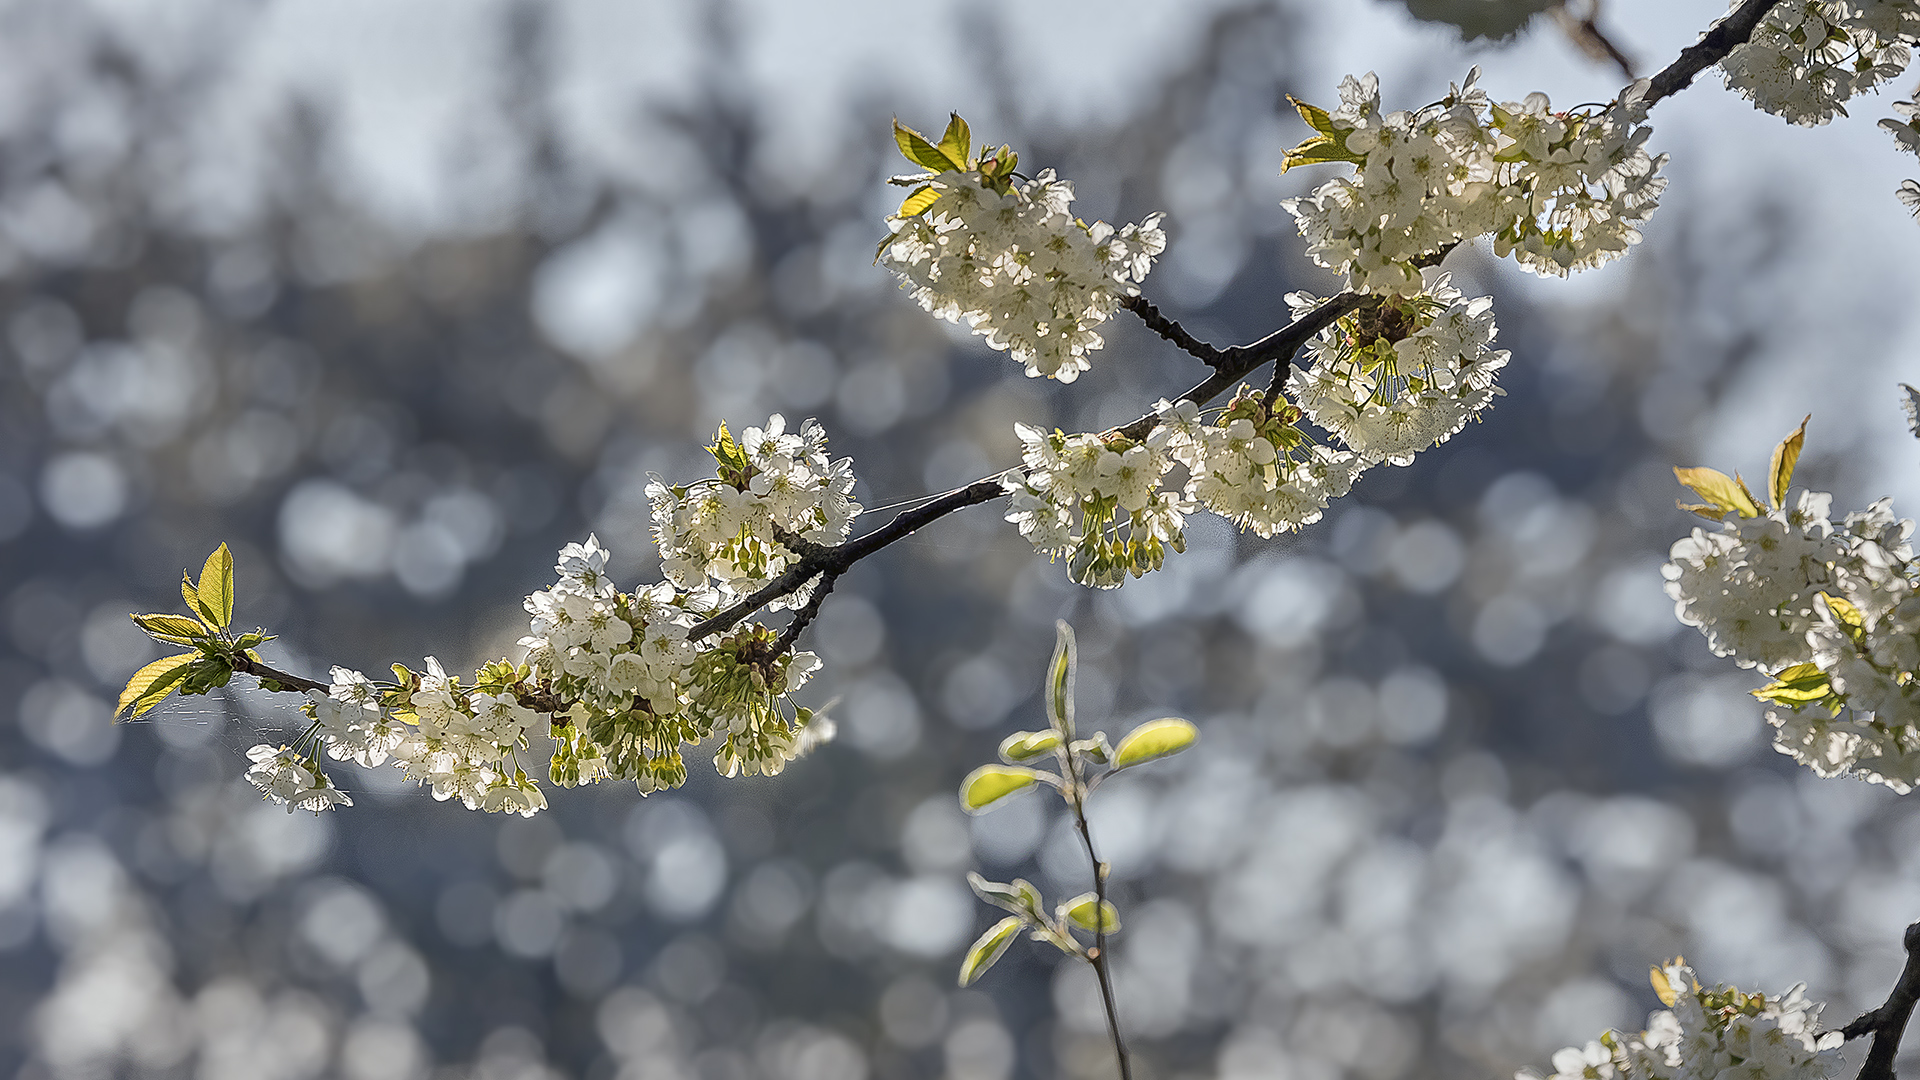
{"type": "Point", "coordinates": [397, 298]}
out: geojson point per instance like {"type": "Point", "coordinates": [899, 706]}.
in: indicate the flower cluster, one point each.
{"type": "Point", "coordinates": [1906, 131]}
{"type": "Point", "coordinates": [1718, 1034]}
{"type": "Point", "coordinates": [613, 677]}
{"type": "Point", "coordinates": [1098, 502]}
{"type": "Point", "coordinates": [1807, 57]}
{"type": "Point", "coordinates": [1828, 609]}
{"type": "Point", "coordinates": [1020, 268]}
{"type": "Point", "coordinates": [1253, 466]}
{"type": "Point", "coordinates": [771, 483]}
{"type": "Point", "coordinates": [1013, 261]}
{"type": "Point", "coordinates": [1560, 191]}
{"type": "Point", "coordinates": [1396, 378]}
{"type": "Point", "coordinates": [292, 778]}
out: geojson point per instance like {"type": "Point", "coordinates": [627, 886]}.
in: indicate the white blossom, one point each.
{"type": "Point", "coordinates": [1098, 502]}
{"type": "Point", "coordinates": [1807, 57]}
{"type": "Point", "coordinates": [1718, 1034]}
{"type": "Point", "coordinates": [1559, 191]}
{"type": "Point", "coordinates": [292, 779]}
{"type": "Point", "coordinates": [1019, 268]}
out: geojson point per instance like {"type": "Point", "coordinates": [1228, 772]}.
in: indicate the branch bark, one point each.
{"type": "Point", "coordinates": [1714, 45]}
{"type": "Point", "coordinates": [1889, 1022]}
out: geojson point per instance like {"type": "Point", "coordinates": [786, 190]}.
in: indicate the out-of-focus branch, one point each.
{"type": "Point", "coordinates": [1584, 31]}
{"type": "Point", "coordinates": [1714, 45]}
{"type": "Point", "coordinates": [1889, 1022]}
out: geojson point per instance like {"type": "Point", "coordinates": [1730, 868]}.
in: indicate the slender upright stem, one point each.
{"type": "Point", "coordinates": [1889, 1022]}
{"type": "Point", "coordinates": [1097, 956]}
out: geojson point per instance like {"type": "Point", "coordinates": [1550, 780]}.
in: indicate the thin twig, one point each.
{"type": "Point", "coordinates": [1889, 1022]}
{"type": "Point", "coordinates": [1714, 45]}
{"type": "Point", "coordinates": [1173, 331]}
{"type": "Point", "coordinates": [805, 615]}
{"type": "Point", "coordinates": [1097, 956]}
{"type": "Point", "coordinates": [246, 665]}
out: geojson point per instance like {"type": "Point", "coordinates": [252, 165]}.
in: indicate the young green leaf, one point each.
{"type": "Point", "coordinates": [1800, 684]}
{"type": "Point", "coordinates": [1154, 739]}
{"type": "Point", "coordinates": [172, 629]}
{"type": "Point", "coordinates": [988, 949]}
{"type": "Point", "coordinates": [957, 143]}
{"type": "Point", "coordinates": [1060, 676]}
{"type": "Point", "coordinates": [151, 684]}
{"type": "Point", "coordinates": [1018, 897]}
{"type": "Point", "coordinates": [216, 587]}
{"type": "Point", "coordinates": [1724, 494]}
{"type": "Point", "coordinates": [1026, 745]}
{"type": "Point", "coordinates": [1080, 912]}
{"type": "Point", "coordinates": [1785, 457]}
{"type": "Point", "coordinates": [190, 594]}
{"type": "Point", "coordinates": [988, 784]}
{"type": "Point", "coordinates": [916, 204]}
{"type": "Point", "coordinates": [915, 147]}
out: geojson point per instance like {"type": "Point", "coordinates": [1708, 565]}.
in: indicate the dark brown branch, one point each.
{"type": "Point", "coordinates": [1174, 332]}
{"type": "Point", "coordinates": [838, 558]}
{"type": "Point", "coordinates": [1097, 956]}
{"type": "Point", "coordinates": [1714, 45]}
{"type": "Point", "coordinates": [294, 683]}
{"type": "Point", "coordinates": [805, 615]}
{"type": "Point", "coordinates": [1237, 362]}
{"type": "Point", "coordinates": [1889, 1022]}
{"type": "Point", "coordinates": [1585, 33]}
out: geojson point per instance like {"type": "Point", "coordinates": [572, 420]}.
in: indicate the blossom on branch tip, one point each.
{"type": "Point", "coordinates": [1559, 191]}
{"type": "Point", "coordinates": [1807, 57]}
{"type": "Point", "coordinates": [1011, 260]}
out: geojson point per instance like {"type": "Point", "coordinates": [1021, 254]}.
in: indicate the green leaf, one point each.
{"type": "Point", "coordinates": [151, 684]}
{"type": "Point", "coordinates": [988, 784]}
{"type": "Point", "coordinates": [1019, 897]}
{"type": "Point", "coordinates": [915, 204]}
{"type": "Point", "coordinates": [1154, 739]}
{"type": "Point", "coordinates": [1785, 457]}
{"type": "Point", "coordinates": [1846, 615]}
{"type": "Point", "coordinates": [990, 947]}
{"type": "Point", "coordinates": [1801, 684]}
{"type": "Point", "coordinates": [1060, 676]}
{"type": "Point", "coordinates": [173, 629]}
{"type": "Point", "coordinates": [1096, 749]}
{"type": "Point", "coordinates": [216, 587]}
{"type": "Point", "coordinates": [1080, 912]}
{"type": "Point", "coordinates": [1726, 494]}
{"type": "Point", "coordinates": [957, 143]}
{"type": "Point", "coordinates": [1027, 745]}
{"type": "Point", "coordinates": [915, 147]}
{"type": "Point", "coordinates": [1316, 117]}
{"type": "Point", "coordinates": [188, 593]}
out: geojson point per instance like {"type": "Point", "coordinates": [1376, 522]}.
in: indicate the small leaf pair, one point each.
{"type": "Point", "coordinates": [1730, 495]}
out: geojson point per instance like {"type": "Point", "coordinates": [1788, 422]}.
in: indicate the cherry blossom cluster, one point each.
{"type": "Point", "coordinates": [1906, 131]}
{"type": "Point", "coordinates": [1559, 191]}
{"type": "Point", "coordinates": [1253, 466]}
{"type": "Point", "coordinates": [725, 530]}
{"type": "Point", "coordinates": [621, 687]}
{"type": "Point", "coordinates": [1717, 1034]}
{"type": "Point", "coordinates": [1392, 380]}
{"type": "Point", "coordinates": [1807, 57]}
{"type": "Point", "coordinates": [1097, 501]}
{"type": "Point", "coordinates": [1827, 609]}
{"type": "Point", "coordinates": [1018, 267]}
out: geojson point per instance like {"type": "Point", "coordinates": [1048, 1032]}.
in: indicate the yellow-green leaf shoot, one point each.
{"type": "Point", "coordinates": [988, 949]}
{"type": "Point", "coordinates": [987, 785]}
{"type": "Point", "coordinates": [1785, 457]}
{"type": "Point", "coordinates": [173, 629]}
{"type": "Point", "coordinates": [1060, 677]}
{"type": "Point", "coordinates": [1024, 746]}
{"type": "Point", "coordinates": [216, 588]}
{"type": "Point", "coordinates": [1154, 739]}
{"type": "Point", "coordinates": [151, 684]}
{"type": "Point", "coordinates": [1080, 912]}
{"type": "Point", "coordinates": [1725, 494]}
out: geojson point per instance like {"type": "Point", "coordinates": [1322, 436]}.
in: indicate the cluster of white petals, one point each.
{"type": "Point", "coordinates": [1560, 191]}
{"type": "Point", "coordinates": [1830, 610]}
{"type": "Point", "coordinates": [292, 779]}
{"type": "Point", "coordinates": [1387, 400]}
{"type": "Point", "coordinates": [1807, 57]}
{"type": "Point", "coordinates": [1906, 132]}
{"type": "Point", "coordinates": [1020, 268]}
{"type": "Point", "coordinates": [1718, 1034]}
{"type": "Point", "coordinates": [1097, 501]}
{"type": "Point", "coordinates": [1253, 469]}
{"type": "Point", "coordinates": [724, 530]}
